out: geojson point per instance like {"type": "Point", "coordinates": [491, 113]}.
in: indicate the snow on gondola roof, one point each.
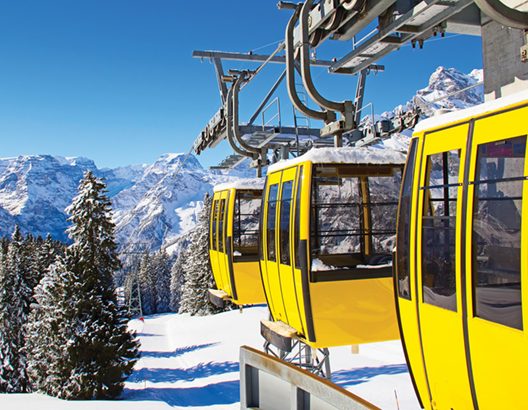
{"type": "Point", "coordinates": [345, 155]}
{"type": "Point", "coordinates": [241, 184]}
{"type": "Point", "coordinates": [475, 111]}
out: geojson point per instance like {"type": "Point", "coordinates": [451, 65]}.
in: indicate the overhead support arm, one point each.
{"type": "Point", "coordinates": [326, 116]}
{"type": "Point", "coordinates": [219, 74]}
{"type": "Point", "coordinates": [229, 126]}
{"type": "Point", "coordinates": [254, 151]}
{"type": "Point", "coordinates": [305, 63]}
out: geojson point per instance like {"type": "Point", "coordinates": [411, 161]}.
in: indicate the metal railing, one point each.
{"type": "Point", "coordinates": [267, 124]}
{"type": "Point", "coordinates": [267, 382]}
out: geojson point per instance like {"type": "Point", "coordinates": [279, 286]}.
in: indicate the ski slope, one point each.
{"type": "Point", "coordinates": [192, 363]}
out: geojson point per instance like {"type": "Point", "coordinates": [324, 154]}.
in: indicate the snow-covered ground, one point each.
{"type": "Point", "coordinates": [192, 362]}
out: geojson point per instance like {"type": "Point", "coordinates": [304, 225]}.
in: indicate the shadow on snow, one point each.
{"type": "Point", "coordinates": [346, 378]}
{"type": "Point", "coordinates": [172, 375]}
{"type": "Point", "coordinates": [227, 392]}
{"type": "Point", "coordinates": [177, 352]}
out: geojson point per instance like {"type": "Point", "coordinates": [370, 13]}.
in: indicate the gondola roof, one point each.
{"type": "Point", "coordinates": [440, 121]}
{"type": "Point", "coordinates": [345, 155]}
{"type": "Point", "coordinates": [241, 184]}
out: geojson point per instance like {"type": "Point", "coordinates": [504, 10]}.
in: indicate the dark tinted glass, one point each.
{"type": "Point", "coordinates": [221, 224]}
{"type": "Point", "coordinates": [404, 226]}
{"type": "Point", "coordinates": [438, 230]}
{"type": "Point", "coordinates": [212, 234]}
{"type": "Point", "coordinates": [297, 233]}
{"type": "Point", "coordinates": [272, 216]}
{"type": "Point", "coordinates": [285, 211]}
{"type": "Point", "coordinates": [246, 222]}
{"type": "Point", "coordinates": [497, 231]}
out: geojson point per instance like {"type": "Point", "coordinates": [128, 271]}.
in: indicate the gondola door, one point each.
{"type": "Point", "coordinates": [497, 260]}
{"type": "Point", "coordinates": [213, 242]}
{"type": "Point", "coordinates": [271, 279]}
{"type": "Point", "coordinates": [223, 262]}
{"type": "Point", "coordinates": [438, 266]}
{"type": "Point", "coordinates": [285, 229]}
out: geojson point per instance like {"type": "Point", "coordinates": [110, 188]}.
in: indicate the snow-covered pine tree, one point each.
{"type": "Point", "coordinates": [49, 330]}
{"type": "Point", "coordinates": [162, 274]}
{"type": "Point", "coordinates": [47, 251]}
{"type": "Point", "coordinates": [15, 299]}
{"type": "Point", "coordinates": [177, 280]}
{"type": "Point", "coordinates": [30, 256]}
{"type": "Point", "coordinates": [4, 244]}
{"type": "Point", "coordinates": [147, 283]}
{"type": "Point", "coordinates": [91, 351]}
{"type": "Point", "coordinates": [198, 277]}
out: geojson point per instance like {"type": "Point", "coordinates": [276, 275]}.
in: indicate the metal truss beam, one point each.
{"type": "Point", "coordinates": [262, 58]}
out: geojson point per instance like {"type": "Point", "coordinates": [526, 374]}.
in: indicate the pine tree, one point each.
{"type": "Point", "coordinates": [162, 273]}
{"type": "Point", "coordinates": [198, 277]}
{"type": "Point", "coordinates": [178, 280]}
{"type": "Point", "coordinates": [45, 254]}
{"type": "Point", "coordinates": [49, 332]}
{"type": "Point", "coordinates": [90, 350]}
{"type": "Point", "coordinates": [15, 299]}
{"type": "Point", "coordinates": [147, 283]}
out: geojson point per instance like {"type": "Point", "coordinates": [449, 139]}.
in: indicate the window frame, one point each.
{"type": "Point", "coordinates": [429, 220]}
{"type": "Point", "coordinates": [476, 182]}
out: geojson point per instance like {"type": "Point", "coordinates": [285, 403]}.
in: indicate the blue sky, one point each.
{"type": "Point", "coordinates": [113, 80]}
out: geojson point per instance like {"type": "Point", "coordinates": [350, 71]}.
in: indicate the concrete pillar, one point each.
{"type": "Point", "coordinates": [504, 73]}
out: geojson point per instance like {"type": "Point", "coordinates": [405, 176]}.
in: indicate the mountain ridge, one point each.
{"type": "Point", "coordinates": [156, 204]}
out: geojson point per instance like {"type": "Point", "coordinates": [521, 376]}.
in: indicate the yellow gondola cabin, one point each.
{"type": "Point", "coordinates": [327, 235]}
{"type": "Point", "coordinates": [462, 257]}
{"type": "Point", "coordinates": [233, 243]}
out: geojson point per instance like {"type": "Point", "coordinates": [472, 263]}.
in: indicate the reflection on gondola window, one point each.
{"type": "Point", "coordinates": [272, 216]}
{"type": "Point", "coordinates": [383, 205]}
{"type": "Point", "coordinates": [221, 226]}
{"type": "Point", "coordinates": [336, 225]}
{"type": "Point", "coordinates": [497, 231]}
{"type": "Point", "coordinates": [297, 230]}
{"type": "Point", "coordinates": [346, 219]}
{"type": "Point", "coordinates": [213, 226]}
{"type": "Point", "coordinates": [404, 226]}
{"type": "Point", "coordinates": [246, 222]}
{"type": "Point", "coordinates": [285, 211]}
{"type": "Point", "coordinates": [438, 229]}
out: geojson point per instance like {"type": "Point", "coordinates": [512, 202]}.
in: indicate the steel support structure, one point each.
{"type": "Point", "coordinates": [269, 382]}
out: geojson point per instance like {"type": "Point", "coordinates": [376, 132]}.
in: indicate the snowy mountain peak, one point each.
{"type": "Point", "coordinates": [81, 162]}
{"type": "Point", "coordinates": [450, 89]}
{"type": "Point", "coordinates": [176, 162]}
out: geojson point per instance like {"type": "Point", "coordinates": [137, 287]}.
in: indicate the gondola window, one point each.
{"type": "Point", "coordinates": [336, 225]}
{"type": "Point", "coordinates": [272, 216]}
{"type": "Point", "coordinates": [221, 226]}
{"type": "Point", "coordinates": [213, 225]}
{"type": "Point", "coordinates": [404, 226]}
{"type": "Point", "coordinates": [285, 211]}
{"type": "Point", "coordinates": [353, 216]}
{"type": "Point", "coordinates": [297, 230]}
{"type": "Point", "coordinates": [246, 222]}
{"type": "Point", "coordinates": [497, 231]}
{"type": "Point", "coordinates": [383, 203]}
{"type": "Point", "coordinates": [438, 229]}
